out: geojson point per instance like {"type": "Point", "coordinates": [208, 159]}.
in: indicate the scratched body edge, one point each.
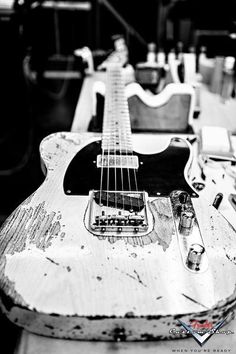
{"type": "Point", "coordinates": [133, 328]}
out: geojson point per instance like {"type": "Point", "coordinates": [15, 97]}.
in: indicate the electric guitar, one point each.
{"type": "Point", "coordinates": [115, 244]}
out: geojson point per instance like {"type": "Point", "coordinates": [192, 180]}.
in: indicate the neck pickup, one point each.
{"type": "Point", "coordinates": [117, 161]}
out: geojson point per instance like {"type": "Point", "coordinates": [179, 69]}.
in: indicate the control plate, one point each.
{"type": "Point", "coordinates": [189, 238]}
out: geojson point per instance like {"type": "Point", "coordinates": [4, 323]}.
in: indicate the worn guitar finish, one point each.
{"type": "Point", "coordinates": [61, 276]}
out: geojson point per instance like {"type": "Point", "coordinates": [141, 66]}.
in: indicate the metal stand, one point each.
{"type": "Point", "coordinates": [130, 31]}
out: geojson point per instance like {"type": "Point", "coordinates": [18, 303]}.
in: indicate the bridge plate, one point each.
{"type": "Point", "coordinates": [118, 213]}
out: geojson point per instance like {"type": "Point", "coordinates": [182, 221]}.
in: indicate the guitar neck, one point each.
{"type": "Point", "coordinates": [116, 135]}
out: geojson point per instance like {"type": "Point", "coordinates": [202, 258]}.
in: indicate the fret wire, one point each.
{"type": "Point", "coordinates": [118, 122]}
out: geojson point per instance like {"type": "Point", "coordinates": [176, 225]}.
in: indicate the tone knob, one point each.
{"type": "Point", "coordinates": [195, 254]}
{"type": "Point", "coordinates": [187, 219]}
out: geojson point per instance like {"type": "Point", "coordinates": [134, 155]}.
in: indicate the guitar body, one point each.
{"type": "Point", "coordinates": [59, 278]}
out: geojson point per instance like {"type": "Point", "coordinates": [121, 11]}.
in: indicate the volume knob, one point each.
{"type": "Point", "coordinates": [187, 219]}
{"type": "Point", "coordinates": [195, 254]}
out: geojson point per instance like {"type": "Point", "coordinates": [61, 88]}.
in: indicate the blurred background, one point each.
{"type": "Point", "coordinates": [41, 76]}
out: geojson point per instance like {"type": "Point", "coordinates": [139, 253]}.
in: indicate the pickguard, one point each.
{"type": "Point", "coordinates": [158, 174]}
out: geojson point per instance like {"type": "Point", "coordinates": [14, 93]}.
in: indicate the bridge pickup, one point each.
{"type": "Point", "coordinates": [118, 161]}
{"type": "Point", "coordinates": [120, 200]}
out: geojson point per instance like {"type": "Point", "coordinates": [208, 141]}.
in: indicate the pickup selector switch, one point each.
{"type": "Point", "coordinates": [183, 197]}
{"type": "Point", "coordinates": [183, 202]}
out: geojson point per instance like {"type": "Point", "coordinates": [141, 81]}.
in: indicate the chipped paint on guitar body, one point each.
{"type": "Point", "coordinates": [59, 280]}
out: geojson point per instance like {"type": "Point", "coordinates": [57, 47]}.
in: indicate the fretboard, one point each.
{"type": "Point", "coordinates": [116, 136]}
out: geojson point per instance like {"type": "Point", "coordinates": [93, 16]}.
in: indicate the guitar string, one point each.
{"type": "Point", "coordinates": [111, 112]}
{"type": "Point", "coordinates": [135, 177]}
{"type": "Point", "coordinates": [114, 132]}
{"type": "Point", "coordinates": [118, 130]}
{"type": "Point", "coordinates": [114, 121]}
{"type": "Point", "coordinates": [128, 127]}
{"type": "Point", "coordinates": [121, 129]}
{"type": "Point", "coordinates": [125, 127]}
{"type": "Point", "coordinates": [110, 107]}
{"type": "Point", "coordinates": [116, 106]}
{"type": "Point", "coordinates": [132, 153]}
{"type": "Point", "coordinates": [116, 88]}
{"type": "Point", "coordinates": [104, 142]}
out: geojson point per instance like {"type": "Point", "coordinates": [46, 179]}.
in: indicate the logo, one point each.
{"type": "Point", "coordinates": [201, 331]}
{"type": "Point", "coordinates": [200, 338]}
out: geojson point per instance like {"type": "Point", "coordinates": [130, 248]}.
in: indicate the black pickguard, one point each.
{"type": "Point", "coordinates": [157, 173]}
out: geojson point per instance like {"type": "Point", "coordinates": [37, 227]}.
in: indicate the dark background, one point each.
{"type": "Point", "coordinates": [35, 39]}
